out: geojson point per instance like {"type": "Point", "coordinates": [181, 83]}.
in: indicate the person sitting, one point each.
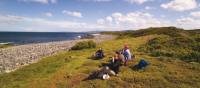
{"type": "Point", "coordinates": [116, 62]}
{"type": "Point", "coordinates": [99, 54]}
{"type": "Point", "coordinates": [127, 54]}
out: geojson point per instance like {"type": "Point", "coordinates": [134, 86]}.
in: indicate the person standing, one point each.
{"type": "Point", "coordinates": [127, 54]}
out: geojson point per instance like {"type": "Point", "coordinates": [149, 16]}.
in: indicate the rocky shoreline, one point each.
{"type": "Point", "coordinates": [14, 57]}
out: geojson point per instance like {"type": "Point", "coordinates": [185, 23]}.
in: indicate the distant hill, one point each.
{"type": "Point", "coordinates": [171, 31]}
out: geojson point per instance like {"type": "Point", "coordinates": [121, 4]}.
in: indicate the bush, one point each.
{"type": "Point", "coordinates": [84, 45]}
{"type": "Point", "coordinates": [88, 36]}
{"type": "Point", "coordinates": [192, 57]}
{"type": "Point", "coordinates": [196, 47]}
{"type": "Point", "coordinates": [158, 53]}
{"type": "Point", "coordinates": [5, 45]}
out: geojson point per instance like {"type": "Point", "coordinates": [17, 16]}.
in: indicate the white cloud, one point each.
{"type": "Point", "coordinates": [72, 13]}
{"type": "Point", "coordinates": [188, 23]}
{"type": "Point", "coordinates": [97, 0]}
{"type": "Point", "coordinates": [185, 20]}
{"type": "Point", "coordinates": [137, 1]}
{"type": "Point", "coordinates": [41, 1]}
{"type": "Point", "coordinates": [132, 20]}
{"type": "Point", "coordinates": [48, 14]}
{"type": "Point", "coordinates": [53, 1]}
{"type": "Point", "coordinates": [180, 5]}
{"type": "Point", "coordinates": [138, 20]}
{"type": "Point", "coordinates": [101, 21]}
{"type": "Point", "coordinates": [163, 16]}
{"type": "Point", "coordinates": [148, 8]}
{"type": "Point", "coordinates": [195, 14]}
{"type": "Point", "coordinates": [109, 19]}
{"type": "Point", "coordinates": [20, 23]}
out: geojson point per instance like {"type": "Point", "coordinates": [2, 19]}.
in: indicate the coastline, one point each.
{"type": "Point", "coordinates": [14, 57]}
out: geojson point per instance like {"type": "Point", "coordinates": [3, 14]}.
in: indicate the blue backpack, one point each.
{"type": "Point", "coordinates": [142, 64]}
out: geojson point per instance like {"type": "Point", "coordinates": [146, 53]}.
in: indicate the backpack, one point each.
{"type": "Point", "coordinates": [142, 64]}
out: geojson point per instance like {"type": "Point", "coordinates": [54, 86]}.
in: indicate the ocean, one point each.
{"type": "Point", "coordinates": [18, 38]}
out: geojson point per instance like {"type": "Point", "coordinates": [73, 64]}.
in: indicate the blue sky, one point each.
{"type": "Point", "coordinates": [94, 15]}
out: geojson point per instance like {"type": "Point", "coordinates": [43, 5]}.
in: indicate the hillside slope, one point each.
{"type": "Point", "coordinates": [68, 69]}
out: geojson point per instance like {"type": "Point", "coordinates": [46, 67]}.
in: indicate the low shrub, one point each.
{"type": "Point", "coordinates": [87, 36]}
{"type": "Point", "coordinates": [158, 53]}
{"type": "Point", "coordinates": [5, 45]}
{"type": "Point", "coordinates": [192, 57]}
{"type": "Point", "coordinates": [84, 45]}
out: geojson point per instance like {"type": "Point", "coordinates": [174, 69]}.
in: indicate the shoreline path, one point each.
{"type": "Point", "coordinates": [14, 57]}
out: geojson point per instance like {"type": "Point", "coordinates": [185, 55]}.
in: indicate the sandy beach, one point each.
{"type": "Point", "coordinates": [14, 57]}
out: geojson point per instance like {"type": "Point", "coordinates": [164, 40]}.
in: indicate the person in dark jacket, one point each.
{"type": "Point", "coordinates": [117, 60]}
{"type": "Point", "coordinates": [99, 54]}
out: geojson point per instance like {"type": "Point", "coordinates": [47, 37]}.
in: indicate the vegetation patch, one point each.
{"type": "Point", "coordinates": [5, 45]}
{"type": "Point", "coordinates": [84, 45]}
{"type": "Point", "coordinates": [183, 47]}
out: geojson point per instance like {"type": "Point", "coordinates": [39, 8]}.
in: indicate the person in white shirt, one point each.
{"type": "Point", "coordinates": [127, 54]}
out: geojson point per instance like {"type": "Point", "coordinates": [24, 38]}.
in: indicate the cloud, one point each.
{"type": "Point", "coordinates": [54, 1]}
{"type": "Point", "coordinates": [188, 23]}
{"type": "Point", "coordinates": [180, 5]}
{"type": "Point", "coordinates": [97, 0]}
{"type": "Point", "coordinates": [137, 1]}
{"type": "Point", "coordinates": [185, 20]}
{"type": "Point", "coordinates": [41, 1]}
{"type": "Point", "coordinates": [48, 14]}
{"type": "Point", "coordinates": [109, 19]}
{"type": "Point", "coordinates": [195, 14]}
{"type": "Point", "coordinates": [106, 21]}
{"type": "Point", "coordinates": [72, 13]}
{"type": "Point", "coordinates": [140, 20]}
{"type": "Point", "coordinates": [132, 20]}
{"type": "Point", "coordinates": [148, 8]}
{"type": "Point", "coordinates": [20, 23]}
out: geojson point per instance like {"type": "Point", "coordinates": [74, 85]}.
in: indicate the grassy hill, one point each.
{"type": "Point", "coordinates": [174, 42]}
{"type": "Point", "coordinates": [168, 69]}
{"type": "Point", "coordinates": [170, 31]}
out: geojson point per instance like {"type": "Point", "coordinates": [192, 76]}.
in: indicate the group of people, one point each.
{"type": "Point", "coordinates": [120, 58]}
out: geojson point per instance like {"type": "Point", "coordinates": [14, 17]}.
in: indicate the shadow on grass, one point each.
{"type": "Point", "coordinates": [95, 58]}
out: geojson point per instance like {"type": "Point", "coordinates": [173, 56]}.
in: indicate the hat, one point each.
{"type": "Point", "coordinates": [106, 76]}
{"type": "Point", "coordinates": [126, 46]}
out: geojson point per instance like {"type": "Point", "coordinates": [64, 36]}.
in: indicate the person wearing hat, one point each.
{"type": "Point", "coordinates": [127, 54]}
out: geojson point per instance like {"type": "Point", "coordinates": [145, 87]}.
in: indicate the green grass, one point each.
{"type": "Point", "coordinates": [84, 45]}
{"type": "Point", "coordinates": [68, 69]}
{"type": "Point", "coordinates": [185, 48]}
